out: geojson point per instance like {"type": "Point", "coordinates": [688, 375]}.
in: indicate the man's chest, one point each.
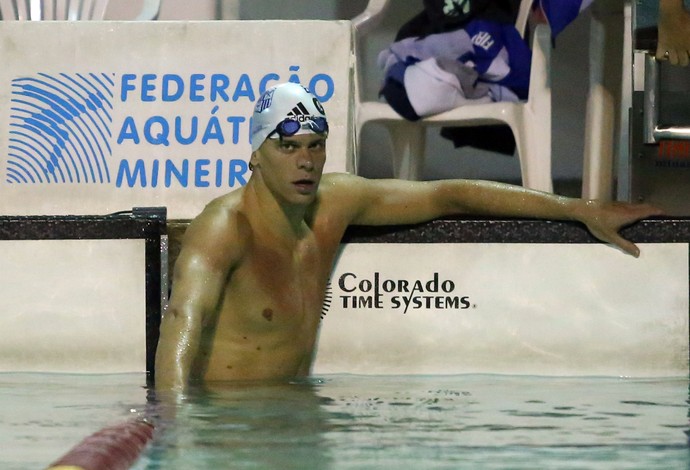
{"type": "Point", "coordinates": [289, 278]}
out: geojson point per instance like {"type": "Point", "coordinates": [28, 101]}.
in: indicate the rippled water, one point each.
{"type": "Point", "coordinates": [359, 422]}
{"type": "Point", "coordinates": [352, 422]}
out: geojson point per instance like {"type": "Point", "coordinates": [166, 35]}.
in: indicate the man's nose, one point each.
{"type": "Point", "coordinates": [305, 160]}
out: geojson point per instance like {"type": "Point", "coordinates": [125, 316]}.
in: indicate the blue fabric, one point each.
{"type": "Point", "coordinates": [560, 13]}
{"type": "Point", "coordinates": [501, 36]}
{"type": "Point", "coordinates": [494, 50]}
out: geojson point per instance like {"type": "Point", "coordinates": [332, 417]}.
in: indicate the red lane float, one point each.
{"type": "Point", "coordinates": [112, 448]}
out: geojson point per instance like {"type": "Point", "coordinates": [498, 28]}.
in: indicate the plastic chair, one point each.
{"type": "Point", "coordinates": [68, 10]}
{"type": "Point", "coordinates": [529, 120]}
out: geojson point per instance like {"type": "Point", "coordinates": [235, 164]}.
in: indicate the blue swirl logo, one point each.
{"type": "Point", "coordinates": [60, 129]}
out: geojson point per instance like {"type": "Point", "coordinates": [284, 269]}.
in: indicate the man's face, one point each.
{"type": "Point", "coordinates": [292, 166]}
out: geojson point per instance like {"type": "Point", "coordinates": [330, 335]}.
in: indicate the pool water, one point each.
{"type": "Point", "coordinates": [354, 422]}
{"type": "Point", "coordinates": [360, 422]}
{"type": "Point", "coordinates": [42, 416]}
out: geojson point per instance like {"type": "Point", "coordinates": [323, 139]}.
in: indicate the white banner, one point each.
{"type": "Point", "coordinates": [98, 117]}
{"type": "Point", "coordinates": [73, 306]}
{"type": "Point", "coordinates": [544, 309]}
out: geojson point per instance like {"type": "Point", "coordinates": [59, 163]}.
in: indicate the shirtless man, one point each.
{"type": "Point", "coordinates": [250, 279]}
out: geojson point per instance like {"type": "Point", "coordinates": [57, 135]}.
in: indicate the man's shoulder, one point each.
{"type": "Point", "coordinates": [225, 206]}
{"type": "Point", "coordinates": [340, 181]}
{"type": "Point", "coordinates": [341, 195]}
{"type": "Point", "coordinates": [339, 176]}
{"type": "Point", "coordinates": [220, 215]}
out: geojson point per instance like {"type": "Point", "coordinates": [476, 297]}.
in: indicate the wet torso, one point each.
{"type": "Point", "coordinates": [267, 321]}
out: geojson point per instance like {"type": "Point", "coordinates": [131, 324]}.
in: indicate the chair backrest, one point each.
{"type": "Point", "coordinates": [374, 13]}
{"type": "Point", "coordinates": [67, 10]}
{"type": "Point", "coordinates": [371, 16]}
{"type": "Point", "coordinates": [375, 9]}
{"type": "Point", "coordinates": [523, 16]}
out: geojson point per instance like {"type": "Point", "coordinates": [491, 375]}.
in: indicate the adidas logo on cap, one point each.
{"type": "Point", "coordinates": [300, 113]}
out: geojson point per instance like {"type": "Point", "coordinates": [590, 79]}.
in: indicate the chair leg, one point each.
{"type": "Point", "coordinates": [531, 124]}
{"type": "Point", "coordinates": [534, 150]}
{"type": "Point", "coordinates": [409, 141]}
{"type": "Point", "coordinates": [597, 170]}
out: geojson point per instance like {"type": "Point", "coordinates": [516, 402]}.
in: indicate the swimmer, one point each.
{"type": "Point", "coordinates": [250, 280]}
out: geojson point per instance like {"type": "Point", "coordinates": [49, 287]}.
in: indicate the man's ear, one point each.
{"type": "Point", "coordinates": [253, 160]}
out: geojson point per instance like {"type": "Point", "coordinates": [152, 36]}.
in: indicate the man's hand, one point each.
{"type": "Point", "coordinates": [605, 219]}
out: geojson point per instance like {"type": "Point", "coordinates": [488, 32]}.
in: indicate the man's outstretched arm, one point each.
{"type": "Point", "coordinates": [384, 202]}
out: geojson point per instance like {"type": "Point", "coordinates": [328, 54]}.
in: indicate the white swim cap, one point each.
{"type": "Point", "coordinates": [287, 102]}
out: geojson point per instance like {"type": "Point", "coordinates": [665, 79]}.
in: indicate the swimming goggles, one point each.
{"type": "Point", "coordinates": [289, 127]}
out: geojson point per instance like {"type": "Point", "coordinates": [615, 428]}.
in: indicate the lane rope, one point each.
{"type": "Point", "coordinates": [114, 447]}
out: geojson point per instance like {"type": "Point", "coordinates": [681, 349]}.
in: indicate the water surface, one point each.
{"type": "Point", "coordinates": [359, 422]}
